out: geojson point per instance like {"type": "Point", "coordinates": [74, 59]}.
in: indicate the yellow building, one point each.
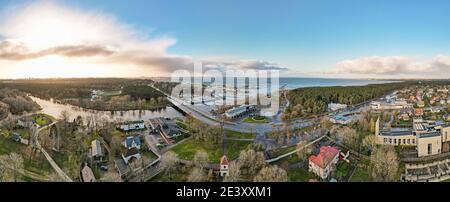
{"type": "Point", "coordinates": [428, 138]}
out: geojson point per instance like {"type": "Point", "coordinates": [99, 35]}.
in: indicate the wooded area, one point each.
{"type": "Point", "coordinates": [314, 100]}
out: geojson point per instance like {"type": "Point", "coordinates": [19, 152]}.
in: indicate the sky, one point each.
{"type": "Point", "coordinates": [317, 38]}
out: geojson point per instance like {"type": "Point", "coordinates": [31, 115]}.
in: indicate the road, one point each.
{"type": "Point", "coordinates": [52, 162]}
{"type": "Point", "coordinates": [260, 128]}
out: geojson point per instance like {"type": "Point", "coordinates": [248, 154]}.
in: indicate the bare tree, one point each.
{"type": "Point", "coordinates": [201, 157]}
{"type": "Point", "coordinates": [13, 165]}
{"type": "Point", "coordinates": [234, 172]}
{"type": "Point", "coordinates": [197, 175]}
{"type": "Point", "coordinates": [251, 161]}
{"type": "Point", "coordinates": [271, 174]}
{"type": "Point", "coordinates": [169, 162]}
{"type": "Point", "coordinates": [369, 142]}
{"type": "Point", "coordinates": [64, 116]}
{"type": "Point", "coordinates": [54, 177]}
{"type": "Point", "coordinates": [111, 176]}
{"type": "Point", "coordinates": [3, 171]}
{"type": "Point", "coordinates": [384, 163]}
{"type": "Point", "coordinates": [347, 136]}
{"type": "Point", "coordinates": [115, 145]}
{"type": "Point", "coordinates": [303, 150]}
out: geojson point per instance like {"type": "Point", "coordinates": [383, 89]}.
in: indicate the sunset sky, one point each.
{"type": "Point", "coordinates": [344, 39]}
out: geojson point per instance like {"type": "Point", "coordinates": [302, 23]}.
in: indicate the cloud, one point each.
{"type": "Point", "coordinates": [18, 51]}
{"type": "Point", "coordinates": [394, 67]}
{"type": "Point", "coordinates": [35, 35]}
{"type": "Point", "coordinates": [242, 64]}
{"type": "Point", "coordinates": [46, 28]}
{"type": "Point", "coordinates": [380, 65]}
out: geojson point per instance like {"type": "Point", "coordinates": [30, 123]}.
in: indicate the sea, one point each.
{"type": "Point", "coordinates": [293, 83]}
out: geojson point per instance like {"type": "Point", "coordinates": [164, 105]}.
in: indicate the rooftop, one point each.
{"type": "Point", "coordinates": [224, 160]}
{"type": "Point", "coordinates": [326, 155]}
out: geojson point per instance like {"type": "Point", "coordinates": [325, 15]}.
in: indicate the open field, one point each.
{"type": "Point", "coordinates": [187, 150]}
{"type": "Point", "coordinates": [256, 119]}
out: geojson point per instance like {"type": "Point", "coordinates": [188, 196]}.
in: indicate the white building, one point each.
{"type": "Point", "coordinates": [237, 112]}
{"type": "Point", "coordinates": [336, 106]}
{"type": "Point", "coordinates": [137, 125]}
{"type": "Point", "coordinates": [389, 105]}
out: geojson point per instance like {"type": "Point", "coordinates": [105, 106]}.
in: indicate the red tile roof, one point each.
{"type": "Point", "coordinates": [326, 155]}
{"type": "Point", "coordinates": [224, 160]}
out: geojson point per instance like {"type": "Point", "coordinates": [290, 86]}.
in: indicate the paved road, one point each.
{"type": "Point", "coordinates": [52, 162]}
{"type": "Point", "coordinates": [260, 128]}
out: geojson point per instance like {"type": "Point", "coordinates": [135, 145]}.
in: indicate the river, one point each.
{"type": "Point", "coordinates": [55, 109]}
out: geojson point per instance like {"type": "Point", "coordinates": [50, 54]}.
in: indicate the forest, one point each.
{"type": "Point", "coordinates": [314, 100]}
{"type": "Point", "coordinates": [15, 102]}
{"type": "Point", "coordinates": [116, 93]}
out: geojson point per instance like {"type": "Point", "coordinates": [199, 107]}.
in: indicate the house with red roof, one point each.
{"type": "Point", "coordinates": [224, 166]}
{"type": "Point", "coordinates": [323, 163]}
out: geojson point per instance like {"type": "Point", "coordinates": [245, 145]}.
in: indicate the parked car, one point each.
{"type": "Point", "coordinates": [104, 168]}
{"type": "Point", "coordinates": [16, 137]}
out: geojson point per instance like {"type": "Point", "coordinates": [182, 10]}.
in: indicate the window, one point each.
{"type": "Point", "coordinates": [409, 141]}
{"type": "Point", "coordinates": [395, 141]}
{"type": "Point", "coordinates": [429, 148]}
{"type": "Point", "coordinates": [404, 141]}
{"type": "Point", "coordinates": [390, 140]}
{"type": "Point", "coordinates": [385, 140]}
{"type": "Point", "coordinates": [414, 141]}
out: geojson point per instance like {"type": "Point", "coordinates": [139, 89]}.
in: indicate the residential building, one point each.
{"type": "Point", "coordinates": [87, 174]}
{"type": "Point", "coordinates": [96, 149]}
{"type": "Point", "coordinates": [132, 142]}
{"type": "Point", "coordinates": [131, 154]}
{"type": "Point", "coordinates": [323, 164]}
{"type": "Point", "coordinates": [418, 112]}
{"type": "Point", "coordinates": [130, 126]}
{"type": "Point", "coordinates": [166, 127]}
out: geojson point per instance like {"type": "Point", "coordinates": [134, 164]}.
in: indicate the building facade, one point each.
{"type": "Point", "coordinates": [323, 164]}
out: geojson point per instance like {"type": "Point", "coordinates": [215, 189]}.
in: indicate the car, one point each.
{"type": "Point", "coordinates": [104, 168]}
{"type": "Point", "coordinates": [16, 137]}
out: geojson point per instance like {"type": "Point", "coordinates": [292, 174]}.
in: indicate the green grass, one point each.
{"type": "Point", "coordinates": [112, 93]}
{"type": "Point", "coordinates": [236, 134]}
{"type": "Point", "coordinates": [300, 175]}
{"type": "Point", "coordinates": [38, 165]}
{"type": "Point", "coordinates": [187, 150]}
{"type": "Point", "coordinates": [60, 158]}
{"type": "Point", "coordinates": [42, 119]}
{"type": "Point", "coordinates": [117, 133]}
{"type": "Point", "coordinates": [280, 151]}
{"type": "Point", "coordinates": [23, 133]}
{"type": "Point", "coordinates": [256, 119]}
{"type": "Point", "coordinates": [150, 155]}
{"type": "Point", "coordinates": [342, 170]}
{"type": "Point", "coordinates": [361, 173]}
{"type": "Point", "coordinates": [7, 146]}
{"type": "Point", "coordinates": [182, 125]}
